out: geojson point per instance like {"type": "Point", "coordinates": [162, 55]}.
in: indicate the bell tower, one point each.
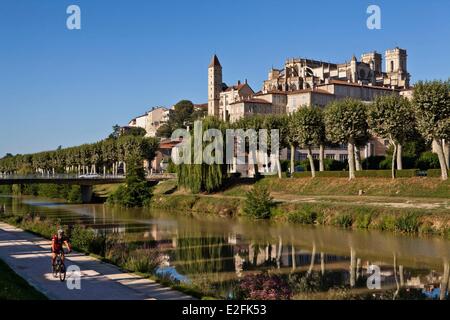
{"type": "Point", "coordinates": [214, 86]}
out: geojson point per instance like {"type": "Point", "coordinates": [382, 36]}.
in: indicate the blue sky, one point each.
{"type": "Point", "coordinates": [62, 87]}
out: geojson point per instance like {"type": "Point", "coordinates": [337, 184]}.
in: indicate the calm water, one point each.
{"type": "Point", "coordinates": [215, 253]}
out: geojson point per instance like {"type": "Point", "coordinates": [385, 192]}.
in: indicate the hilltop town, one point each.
{"type": "Point", "coordinates": [300, 82]}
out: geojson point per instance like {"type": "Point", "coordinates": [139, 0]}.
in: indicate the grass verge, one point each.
{"type": "Point", "coordinates": [13, 287]}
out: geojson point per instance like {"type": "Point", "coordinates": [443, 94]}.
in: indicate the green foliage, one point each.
{"type": "Point", "coordinates": [392, 117]}
{"type": "Point", "coordinates": [303, 217]}
{"type": "Point", "coordinates": [344, 220]}
{"type": "Point", "coordinates": [78, 159]}
{"type": "Point", "coordinates": [74, 195]}
{"type": "Point", "coordinates": [373, 162]}
{"type": "Point", "coordinates": [136, 192]}
{"type": "Point", "coordinates": [363, 220]}
{"type": "Point", "coordinates": [204, 177]}
{"type": "Point", "coordinates": [258, 202]}
{"type": "Point", "coordinates": [432, 109]}
{"type": "Point", "coordinates": [13, 287]}
{"type": "Point", "coordinates": [345, 121]}
{"type": "Point", "coordinates": [86, 240]}
{"type": "Point", "coordinates": [428, 160]}
{"type": "Point", "coordinates": [407, 223]}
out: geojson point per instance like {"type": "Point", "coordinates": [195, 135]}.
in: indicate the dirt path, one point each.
{"type": "Point", "coordinates": [29, 256]}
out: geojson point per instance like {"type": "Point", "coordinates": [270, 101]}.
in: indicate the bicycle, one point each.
{"type": "Point", "coordinates": [59, 268]}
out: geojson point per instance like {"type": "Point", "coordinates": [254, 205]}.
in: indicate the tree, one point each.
{"type": "Point", "coordinates": [116, 132]}
{"type": "Point", "coordinates": [431, 101]}
{"type": "Point", "coordinates": [181, 117]}
{"type": "Point", "coordinates": [204, 177]}
{"type": "Point", "coordinates": [276, 122]}
{"type": "Point", "coordinates": [258, 202]}
{"type": "Point", "coordinates": [309, 130]}
{"type": "Point", "coordinates": [346, 122]}
{"type": "Point", "coordinates": [392, 117]}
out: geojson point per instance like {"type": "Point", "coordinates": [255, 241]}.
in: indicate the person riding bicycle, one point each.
{"type": "Point", "coordinates": [58, 241]}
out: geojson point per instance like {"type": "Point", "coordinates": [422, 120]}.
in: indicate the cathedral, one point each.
{"type": "Point", "coordinates": [308, 82]}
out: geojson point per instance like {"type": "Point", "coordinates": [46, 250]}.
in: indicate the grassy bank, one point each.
{"type": "Point", "coordinates": [385, 205]}
{"type": "Point", "coordinates": [420, 187]}
{"type": "Point", "coordinates": [13, 287]}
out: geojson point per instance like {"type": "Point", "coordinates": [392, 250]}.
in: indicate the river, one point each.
{"type": "Point", "coordinates": [317, 262]}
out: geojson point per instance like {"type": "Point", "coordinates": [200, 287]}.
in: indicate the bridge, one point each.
{"type": "Point", "coordinates": [86, 182]}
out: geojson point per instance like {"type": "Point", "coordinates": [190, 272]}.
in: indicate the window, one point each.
{"type": "Point", "coordinates": [330, 156]}
{"type": "Point", "coordinates": [392, 66]}
{"type": "Point", "coordinates": [343, 157]}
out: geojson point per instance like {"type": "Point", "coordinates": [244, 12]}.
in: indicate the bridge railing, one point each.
{"type": "Point", "coordinates": [82, 176]}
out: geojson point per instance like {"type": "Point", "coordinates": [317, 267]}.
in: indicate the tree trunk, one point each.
{"type": "Point", "coordinates": [351, 160]}
{"type": "Point", "coordinates": [357, 159]}
{"type": "Point", "coordinates": [292, 160]}
{"type": "Point", "coordinates": [321, 157]}
{"type": "Point", "coordinates": [440, 153]}
{"type": "Point", "coordinates": [394, 156]}
{"type": "Point", "coordinates": [446, 146]}
{"type": "Point", "coordinates": [399, 156]}
{"type": "Point", "coordinates": [279, 168]}
{"type": "Point", "coordinates": [311, 163]}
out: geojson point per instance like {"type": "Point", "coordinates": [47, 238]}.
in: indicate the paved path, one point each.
{"type": "Point", "coordinates": [29, 256]}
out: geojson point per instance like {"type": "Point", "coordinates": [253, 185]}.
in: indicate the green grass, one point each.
{"type": "Point", "coordinates": [13, 287]}
{"type": "Point", "coordinates": [417, 187]}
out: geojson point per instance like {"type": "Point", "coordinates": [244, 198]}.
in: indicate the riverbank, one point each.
{"type": "Point", "coordinates": [29, 255]}
{"type": "Point", "coordinates": [405, 205]}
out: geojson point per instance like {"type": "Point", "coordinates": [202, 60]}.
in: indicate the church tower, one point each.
{"type": "Point", "coordinates": [396, 68]}
{"type": "Point", "coordinates": [214, 86]}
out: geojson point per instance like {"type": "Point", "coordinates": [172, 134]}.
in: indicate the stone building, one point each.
{"type": "Point", "coordinates": [151, 120]}
{"type": "Point", "coordinates": [301, 74]}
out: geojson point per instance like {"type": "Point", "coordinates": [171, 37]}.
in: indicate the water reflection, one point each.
{"type": "Point", "coordinates": [314, 262]}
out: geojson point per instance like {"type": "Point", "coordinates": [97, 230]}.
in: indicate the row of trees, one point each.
{"type": "Point", "coordinates": [350, 122]}
{"type": "Point", "coordinates": [103, 157]}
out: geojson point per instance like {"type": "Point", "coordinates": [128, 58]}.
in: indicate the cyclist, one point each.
{"type": "Point", "coordinates": [58, 241]}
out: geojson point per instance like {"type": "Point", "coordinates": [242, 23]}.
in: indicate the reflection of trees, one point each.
{"type": "Point", "coordinates": [203, 255]}
{"type": "Point", "coordinates": [444, 281]}
{"type": "Point", "coordinates": [352, 267]}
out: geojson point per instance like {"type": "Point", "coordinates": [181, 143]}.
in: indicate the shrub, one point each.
{"type": "Point", "coordinates": [136, 192]}
{"type": "Point", "coordinates": [387, 223]}
{"type": "Point", "coordinates": [363, 220]}
{"type": "Point", "coordinates": [74, 195]}
{"type": "Point", "coordinates": [334, 165]}
{"type": "Point", "coordinates": [258, 202]}
{"type": "Point", "coordinates": [428, 160]}
{"type": "Point", "coordinates": [408, 223]}
{"type": "Point", "coordinates": [303, 217]}
{"type": "Point", "coordinates": [344, 220]}
{"type": "Point", "coordinates": [372, 163]}
{"type": "Point", "coordinates": [264, 287]}
{"type": "Point", "coordinates": [143, 261]}
{"type": "Point", "coordinates": [85, 239]}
